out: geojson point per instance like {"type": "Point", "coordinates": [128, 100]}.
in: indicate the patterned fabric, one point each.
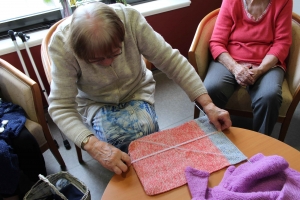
{"type": "Point", "coordinates": [160, 159]}
{"type": "Point", "coordinates": [120, 124]}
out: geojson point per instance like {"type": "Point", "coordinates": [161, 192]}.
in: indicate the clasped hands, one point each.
{"type": "Point", "coordinates": [245, 74]}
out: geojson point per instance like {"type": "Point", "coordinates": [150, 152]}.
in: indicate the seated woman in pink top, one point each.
{"type": "Point", "coordinates": [249, 44]}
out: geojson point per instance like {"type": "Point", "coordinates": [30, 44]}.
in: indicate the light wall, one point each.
{"type": "Point", "coordinates": [296, 6]}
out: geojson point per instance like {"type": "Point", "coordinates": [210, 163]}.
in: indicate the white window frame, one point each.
{"type": "Point", "coordinates": [147, 9]}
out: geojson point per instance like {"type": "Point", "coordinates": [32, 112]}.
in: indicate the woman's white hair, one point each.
{"type": "Point", "coordinates": [95, 29]}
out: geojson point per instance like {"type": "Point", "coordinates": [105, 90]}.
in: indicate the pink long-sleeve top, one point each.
{"type": "Point", "coordinates": [248, 40]}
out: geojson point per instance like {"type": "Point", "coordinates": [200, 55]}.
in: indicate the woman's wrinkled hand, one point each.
{"type": "Point", "coordinates": [218, 117]}
{"type": "Point", "coordinates": [256, 73]}
{"type": "Point", "coordinates": [109, 156]}
{"type": "Point", "coordinates": [243, 75]}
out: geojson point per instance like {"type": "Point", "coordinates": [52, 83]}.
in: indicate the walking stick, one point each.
{"type": "Point", "coordinates": [24, 38]}
{"type": "Point", "coordinates": [11, 33]}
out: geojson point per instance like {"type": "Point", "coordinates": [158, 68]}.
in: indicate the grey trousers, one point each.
{"type": "Point", "coordinates": [265, 94]}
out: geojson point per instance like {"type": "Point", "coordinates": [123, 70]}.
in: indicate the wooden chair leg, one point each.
{"type": "Point", "coordinates": [196, 112]}
{"type": "Point", "coordinates": [283, 130]}
{"type": "Point", "coordinates": [53, 148]}
{"type": "Point", "coordinates": [79, 154]}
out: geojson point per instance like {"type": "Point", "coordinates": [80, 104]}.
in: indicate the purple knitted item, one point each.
{"type": "Point", "coordinates": [263, 177]}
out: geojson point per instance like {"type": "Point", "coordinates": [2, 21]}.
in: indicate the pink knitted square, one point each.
{"type": "Point", "coordinates": [160, 159]}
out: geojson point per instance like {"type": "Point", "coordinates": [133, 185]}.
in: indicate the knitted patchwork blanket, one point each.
{"type": "Point", "coordinates": [160, 159]}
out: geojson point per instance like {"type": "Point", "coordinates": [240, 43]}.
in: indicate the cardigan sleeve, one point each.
{"type": "Point", "coordinates": [154, 48]}
{"type": "Point", "coordinates": [62, 107]}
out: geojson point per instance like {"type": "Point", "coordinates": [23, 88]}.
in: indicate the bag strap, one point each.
{"type": "Point", "coordinates": [43, 178]}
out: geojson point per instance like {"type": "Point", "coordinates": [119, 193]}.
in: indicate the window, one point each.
{"type": "Point", "coordinates": [134, 2]}
{"type": "Point", "coordinates": [32, 15]}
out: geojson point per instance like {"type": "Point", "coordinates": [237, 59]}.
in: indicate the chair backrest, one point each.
{"type": "Point", "coordinates": [293, 60]}
{"type": "Point", "coordinates": [19, 89]}
{"type": "Point", "coordinates": [45, 52]}
{"type": "Point", "coordinates": [200, 45]}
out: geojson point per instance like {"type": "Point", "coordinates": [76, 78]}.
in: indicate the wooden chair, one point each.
{"type": "Point", "coordinates": [19, 89]}
{"type": "Point", "coordinates": [240, 103]}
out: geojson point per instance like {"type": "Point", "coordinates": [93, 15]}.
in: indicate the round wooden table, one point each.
{"type": "Point", "coordinates": [127, 186]}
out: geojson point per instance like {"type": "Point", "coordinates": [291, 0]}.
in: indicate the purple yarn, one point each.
{"type": "Point", "coordinates": [263, 177]}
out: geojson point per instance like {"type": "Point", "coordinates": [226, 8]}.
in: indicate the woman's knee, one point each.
{"type": "Point", "coordinates": [219, 93]}
{"type": "Point", "coordinates": [272, 97]}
